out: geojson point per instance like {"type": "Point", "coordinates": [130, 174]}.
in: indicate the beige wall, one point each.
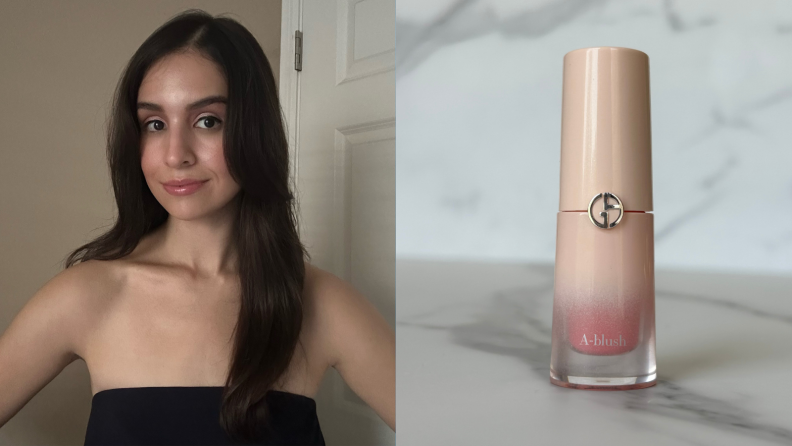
{"type": "Point", "coordinates": [59, 64]}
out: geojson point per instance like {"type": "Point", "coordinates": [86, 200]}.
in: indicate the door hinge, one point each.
{"type": "Point", "coordinates": [298, 50]}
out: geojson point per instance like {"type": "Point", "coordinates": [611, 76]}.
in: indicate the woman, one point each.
{"type": "Point", "coordinates": [196, 314]}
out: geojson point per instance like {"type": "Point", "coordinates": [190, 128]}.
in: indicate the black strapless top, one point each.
{"type": "Point", "coordinates": [190, 416]}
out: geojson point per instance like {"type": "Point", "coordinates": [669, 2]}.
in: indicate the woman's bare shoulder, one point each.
{"type": "Point", "coordinates": [83, 288]}
{"type": "Point", "coordinates": [92, 279]}
{"type": "Point", "coordinates": [58, 315]}
{"type": "Point", "coordinates": [74, 283]}
{"type": "Point", "coordinates": [48, 333]}
{"type": "Point", "coordinates": [322, 284]}
{"type": "Point", "coordinates": [327, 295]}
{"type": "Point", "coordinates": [355, 339]}
{"type": "Point", "coordinates": [339, 314]}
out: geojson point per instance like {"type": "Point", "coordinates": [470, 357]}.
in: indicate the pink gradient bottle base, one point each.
{"type": "Point", "coordinates": [609, 328]}
{"type": "Point", "coordinates": [603, 334]}
{"type": "Point", "coordinates": [603, 303]}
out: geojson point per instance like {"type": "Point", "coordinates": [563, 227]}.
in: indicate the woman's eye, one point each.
{"type": "Point", "coordinates": [211, 119]}
{"type": "Point", "coordinates": [155, 121]}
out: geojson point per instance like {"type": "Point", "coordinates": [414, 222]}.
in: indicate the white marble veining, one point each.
{"type": "Point", "coordinates": [474, 355]}
{"type": "Point", "coordinates": [479, 115]}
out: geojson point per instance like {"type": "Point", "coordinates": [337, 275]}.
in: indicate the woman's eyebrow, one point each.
{"type": "Point", "coordinates": [197, 104]}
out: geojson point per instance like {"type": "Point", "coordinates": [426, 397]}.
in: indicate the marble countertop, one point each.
{"type": "Point", "coordinates": [473, 342]}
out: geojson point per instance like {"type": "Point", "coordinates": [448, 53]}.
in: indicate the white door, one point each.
{"type": "Point", "coordinates": [341, 113]}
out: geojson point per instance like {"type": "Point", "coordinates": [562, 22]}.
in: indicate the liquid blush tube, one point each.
{"type": "Point", "coordinates": [603, 302]}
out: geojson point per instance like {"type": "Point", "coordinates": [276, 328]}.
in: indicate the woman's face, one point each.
{"type": "Point", "coordinates": [182, 135]}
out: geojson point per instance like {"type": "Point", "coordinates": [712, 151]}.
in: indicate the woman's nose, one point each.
{"type": "Point", "coordinates": [180, 147]}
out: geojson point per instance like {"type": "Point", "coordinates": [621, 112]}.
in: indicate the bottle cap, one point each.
{"type": "Point", "coordinates": [606, 143]}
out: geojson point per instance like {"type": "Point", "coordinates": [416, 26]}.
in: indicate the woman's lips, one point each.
{"type": "Point", "coordinates": [186, 189]}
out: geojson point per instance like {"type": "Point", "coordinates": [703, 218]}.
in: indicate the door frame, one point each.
{"type": "Point", "coordinates": [289, 81]}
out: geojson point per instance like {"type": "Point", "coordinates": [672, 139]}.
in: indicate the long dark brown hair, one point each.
{"type": "Point", "coordinates": [271, 268]}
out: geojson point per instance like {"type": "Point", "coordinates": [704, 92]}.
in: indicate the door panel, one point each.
{"type": "Point", "coordinates": [343, 134]}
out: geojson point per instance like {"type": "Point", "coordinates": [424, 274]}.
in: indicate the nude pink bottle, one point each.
{"type": "Point", "coordinates": [603, 302]}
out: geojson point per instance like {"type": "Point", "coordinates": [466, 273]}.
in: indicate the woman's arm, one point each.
{"type": "Point", "coordinates": [41, 340]}
{"type": "Point", "coordinates": [358, 341]}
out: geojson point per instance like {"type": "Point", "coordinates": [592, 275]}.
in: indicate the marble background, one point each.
{"type": "Point", "coordinates": [474, 342]}
{"type": "Point", "coordinates": [479, 116]}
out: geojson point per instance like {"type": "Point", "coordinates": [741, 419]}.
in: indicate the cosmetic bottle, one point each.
{"type": "Point", "coordinates": [603, 334]}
